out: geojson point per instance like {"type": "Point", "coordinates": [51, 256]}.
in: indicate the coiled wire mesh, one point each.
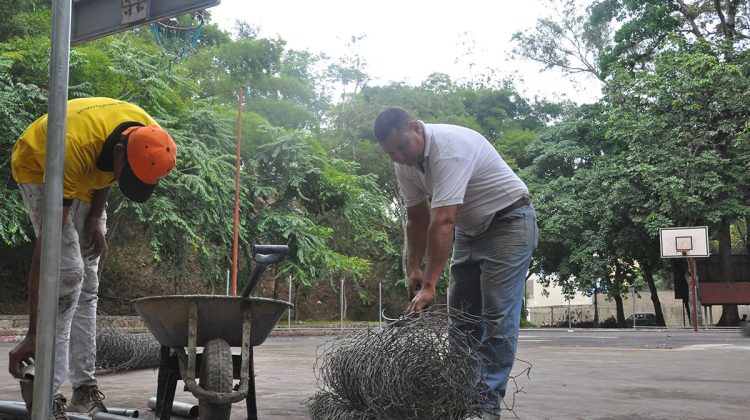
{"type": "Point", "coordinates": [119, 351]}
{"type": "Point", "coordinates": [418, 367]}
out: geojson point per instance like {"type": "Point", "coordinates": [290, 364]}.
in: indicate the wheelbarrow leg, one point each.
{"type": "Point", "coordinates": [252, 409]}
{"type": "Point", "coordinates": [169, 372]}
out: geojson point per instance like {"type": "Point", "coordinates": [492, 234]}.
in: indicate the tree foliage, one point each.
{"type": "Point", "coordinates": [670, 146]}
{"type": "Point", "coordinates": [667, 145]}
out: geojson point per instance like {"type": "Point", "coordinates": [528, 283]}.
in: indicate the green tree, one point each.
{"type": "Point", "coordinates": [685, 125]}
{"type": "Point", "coordinates": [20, 104]}
{"type": "Point", "coordinates": [303, 198]}
{"type": "Point", "coordinates": [676, 120]}
{"type": "Point", "coordinates": [277, 83]}
{"type": "Point", "coordinates": [567, 40]}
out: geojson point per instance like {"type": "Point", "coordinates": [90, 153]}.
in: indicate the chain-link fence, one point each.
{"type": "Point", "coordinates": [119, 351]}
{"type": "Point", "coordinates": [417, 367]}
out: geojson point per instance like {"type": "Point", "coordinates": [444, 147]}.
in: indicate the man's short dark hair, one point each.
{"type": "Point", "coordinates": [389, 119]}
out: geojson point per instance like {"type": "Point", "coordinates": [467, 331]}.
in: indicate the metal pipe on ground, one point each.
{"type": "Point", "coordinates": [18, 409]}
{"type": "Point", "coordinates": [127, 412]}
{"type": "Point", "coordinates": [12, 409]}
{"type": "Point", "coordinates": [179, 409]}
{"type": "Point", "coordinates": [97, 416]}
{"type": "Point", "coordinates": [107, 416]}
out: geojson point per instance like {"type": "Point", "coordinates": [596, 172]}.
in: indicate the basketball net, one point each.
{"type": "Point", "coordinates": [178, 37]}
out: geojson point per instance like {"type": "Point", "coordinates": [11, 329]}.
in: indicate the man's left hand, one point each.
{"type": "Point", "coordinates": [422, 300]}
{"type": "Point", "coordinates": [97, 241]}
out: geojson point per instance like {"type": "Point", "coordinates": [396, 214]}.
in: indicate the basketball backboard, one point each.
{"type": "Point", "coordinates": [93, 19]}
{"type": "Point", "coordinates": [684, 242]}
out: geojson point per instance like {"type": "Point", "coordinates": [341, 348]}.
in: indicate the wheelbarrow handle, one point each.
{"type": "Point", "coordinates": [269, 254]}
{"type": "Point", "coordinates": [263, 256]}
{"type": "Point", "coordinates": [270, 249]}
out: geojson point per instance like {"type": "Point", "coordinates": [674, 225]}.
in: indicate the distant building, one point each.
{"type": "Point", "coordinates": [537, 295]}
{"type": "Point", "coordinates": [547, 306]}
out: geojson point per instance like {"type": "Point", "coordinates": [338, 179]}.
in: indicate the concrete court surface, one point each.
{"type": "Point", "coordinates": [576, 374]}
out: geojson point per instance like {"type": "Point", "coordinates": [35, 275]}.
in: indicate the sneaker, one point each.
{"type": "Point", "coordinates": [59, 407]}
{"type": "Point", "coordinates": [87, 399]}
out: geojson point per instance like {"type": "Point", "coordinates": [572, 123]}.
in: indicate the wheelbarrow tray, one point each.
{"type": "Point", "coordinates": [218, 317]}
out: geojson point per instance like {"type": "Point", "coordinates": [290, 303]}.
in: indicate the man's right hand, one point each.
{"type": "Point", "coordinates": [416, 278]}
{"type": "Point", "coordinates": [97, 242]}
{"type": "Point", "coordinates": [422, 300]}
{"type": "Point", "coordinates": [20, 353]}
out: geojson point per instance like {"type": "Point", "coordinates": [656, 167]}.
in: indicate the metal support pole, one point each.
{"type": "Point", "coordinates": [49, 278]}
{"type": "Point", "coordinates": [569, 324]}
{"type": "Point", "coordinates": [634, 320]}
{"type": "Point", "coordinates": [235, 246]}
{"type": "Point", "coordinates": [683, 315]}
{"type": "Point", "coordinates": [228, 280]}
{"type": "Point", "coordinates": [289, 311]}
{"type": "Point", "coordinates": [691, 261]}
{"type": "Point", "coordinates": [341, 305]}
{"type": "Point", "coordinates": [380, 302]}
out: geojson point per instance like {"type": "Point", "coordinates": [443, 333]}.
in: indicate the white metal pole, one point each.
{"type": "Point", "coordinates": [341, 305]}
{"type": "Point", "coordinates": [569, 323]}
{"type": "Point", "coordinates": [380, 302]}
{"type": "Point", "coordinates": [49, 278]}
{"type": "Point", "coordinates": [289, 311]}
{"type": "Point", "coordinates": [634, 320]}
{"type": "Point", "coordinates": [228, 280]}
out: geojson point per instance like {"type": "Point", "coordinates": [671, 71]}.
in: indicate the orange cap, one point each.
{"type": "Point", "coordinates": [151, 154]}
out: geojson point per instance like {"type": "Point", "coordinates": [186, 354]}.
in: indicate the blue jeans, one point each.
{"type": "Point", "coordinates": [488, 272]}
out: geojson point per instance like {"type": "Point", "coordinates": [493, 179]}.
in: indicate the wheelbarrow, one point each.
{"type": "Point", "coordinates": [216, 323]}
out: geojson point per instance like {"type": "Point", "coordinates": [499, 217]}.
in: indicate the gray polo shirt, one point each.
{"type": "Point", "coordinates": [461, 167]}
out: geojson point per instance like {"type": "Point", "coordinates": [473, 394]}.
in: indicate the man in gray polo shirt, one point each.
{"type": "Point", "coordinates": [460, 194]}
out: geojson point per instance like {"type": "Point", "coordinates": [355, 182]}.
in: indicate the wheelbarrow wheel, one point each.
{"type": "Point", "coordinates": [215, 375]}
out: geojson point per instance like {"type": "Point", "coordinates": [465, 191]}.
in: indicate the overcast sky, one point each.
{"type": "Point", "coordinates": [406, 40]}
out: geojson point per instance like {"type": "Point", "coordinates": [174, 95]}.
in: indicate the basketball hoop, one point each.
{"type": "Point", "coordinates": [686, 242]}
{"type": "Point", "coordinates": [178, 37]}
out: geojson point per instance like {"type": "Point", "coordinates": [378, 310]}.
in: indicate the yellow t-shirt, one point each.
{"type": "Point", "coordinates": [89, 122]}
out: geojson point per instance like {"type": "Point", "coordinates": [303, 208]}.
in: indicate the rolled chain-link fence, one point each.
{"type": "Point", "coordinates": [417, 367]}
{"type": "Point", "coordinates": [118, 350]}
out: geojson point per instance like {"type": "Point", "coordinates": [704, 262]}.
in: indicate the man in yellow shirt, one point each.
{"type": "Point", "coordinates": [106, 141]}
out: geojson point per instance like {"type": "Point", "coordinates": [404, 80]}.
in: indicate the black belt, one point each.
{"type": "Point", "coordinates": [523, 201]}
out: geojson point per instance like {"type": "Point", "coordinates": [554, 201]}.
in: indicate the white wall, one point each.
{"type": "Point", "coordinates": [547, 311]}
{"type": "Point", "coordinates": [536, 296]}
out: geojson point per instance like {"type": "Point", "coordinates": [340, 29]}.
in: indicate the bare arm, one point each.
{"type": "Point", "coordinates": [99, 202]}
{"type": "Point", "coordinates": [417, 223]}
{"type": "Point", "coordinates": [26, 347]}
{"type": "Point", "coordinates": [98, 243]}
{"type": "Point", "coordinates": [439, 245]}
